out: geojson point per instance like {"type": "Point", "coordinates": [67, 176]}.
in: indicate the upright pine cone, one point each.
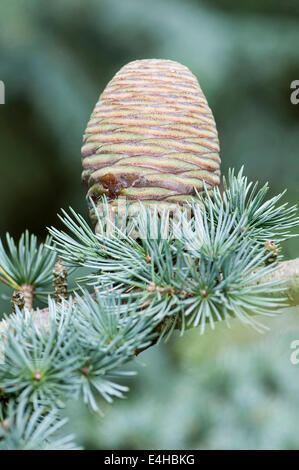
{"type": "Point", "coordinates": [151, 137]}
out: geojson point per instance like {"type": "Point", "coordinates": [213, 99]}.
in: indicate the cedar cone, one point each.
{"type": "Point", "coordinates": [151, 137]}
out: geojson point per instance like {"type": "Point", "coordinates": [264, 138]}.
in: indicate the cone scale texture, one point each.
{"type": "Point", "coordinates": [151, 137]}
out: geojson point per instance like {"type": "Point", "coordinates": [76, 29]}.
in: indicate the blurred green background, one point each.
{"type": "Point", "coordinates": [229, 388]}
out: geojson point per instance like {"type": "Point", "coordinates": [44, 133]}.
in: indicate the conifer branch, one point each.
{"type": "Point", "coordinates": [156, 274]}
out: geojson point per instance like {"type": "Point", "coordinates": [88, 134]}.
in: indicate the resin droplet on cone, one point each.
{"type": "Point", "coordinates": [151, 137]}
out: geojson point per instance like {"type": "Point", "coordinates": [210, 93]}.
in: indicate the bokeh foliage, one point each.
{"type": "Point", "coordinates": [55, 59]}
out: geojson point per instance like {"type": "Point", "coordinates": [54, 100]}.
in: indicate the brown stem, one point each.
{"type": "Point", "coordinates": [287, 273]}
{"type": "Point", "coordinates": [164, 326]}
{"type": "Point", "coordinates": [60, 281]}
{"type": "Point", "coordinates": [17, 300]}
{"type": "Point", "coordinates": [28, 292]}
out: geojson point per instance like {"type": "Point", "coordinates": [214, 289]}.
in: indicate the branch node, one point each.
{"type": "Point", "coordinates": [60, 281]}
{"type": "Point", "coordinates": [17, 300]}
